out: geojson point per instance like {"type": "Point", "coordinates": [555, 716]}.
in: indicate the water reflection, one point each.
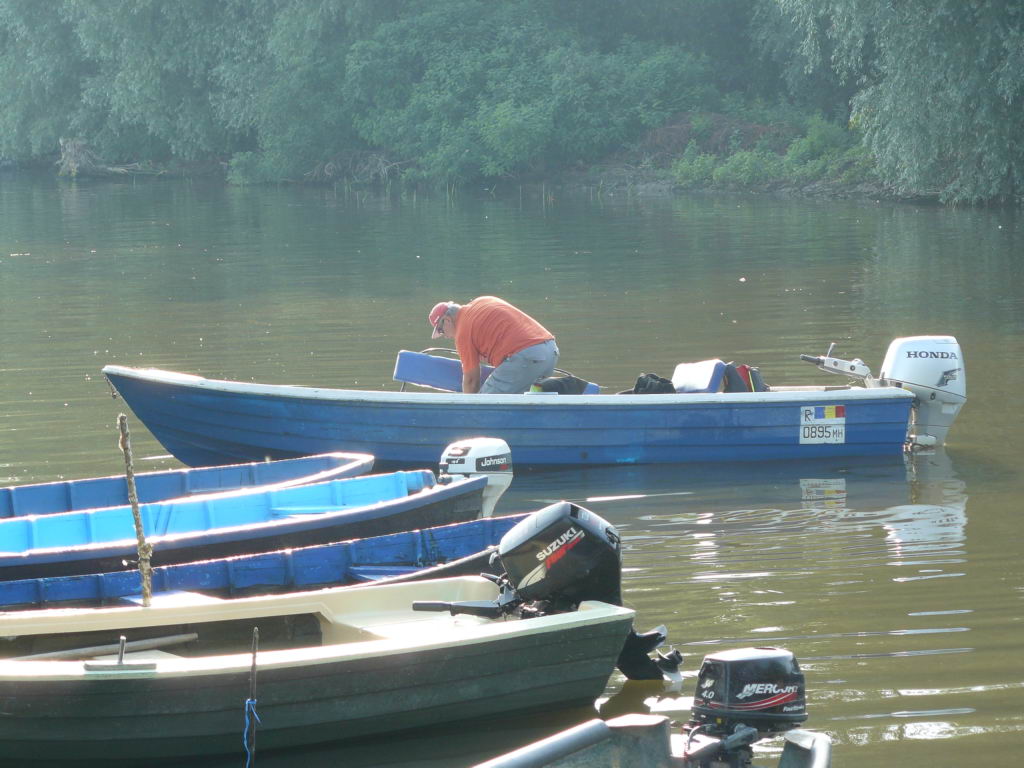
{"type": "Point", "coordinates": [461, 744]}
{"type": "Point", "coordinates": [907, 511]}
{"type": "Point", "coordinates": [936, 518]}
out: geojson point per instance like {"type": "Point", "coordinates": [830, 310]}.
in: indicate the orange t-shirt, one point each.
{"type": "Point", "coordinates": [491, 329]}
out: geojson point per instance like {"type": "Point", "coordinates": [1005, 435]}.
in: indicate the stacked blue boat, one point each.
{"type": "Point", "coordinates": [76, 540]}
{"type": "Point", "coordinates": [340, 657]}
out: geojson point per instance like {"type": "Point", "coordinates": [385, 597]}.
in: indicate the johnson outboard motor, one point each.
{"type": "Point", "coordinates": [742, 696]}
{"type": "Point", "coordinates": [477, 456]}
{"type": "Point", "coordinates": [552, 561]}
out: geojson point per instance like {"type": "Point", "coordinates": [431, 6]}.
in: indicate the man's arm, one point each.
{"type": "Point", "coordinates": [470, 356]}
{"type": "Point", "coordinates": [471, 381]}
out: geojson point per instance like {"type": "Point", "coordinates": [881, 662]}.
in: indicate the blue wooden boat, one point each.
{"type": "Point", "coordinates": [458, 549]}
{"type": "Point", "coordinates": [205, 421]}
{"type": "Point", "coordinates": [177, 484]}
{"type": "Point", "coordinates": [245, 521]}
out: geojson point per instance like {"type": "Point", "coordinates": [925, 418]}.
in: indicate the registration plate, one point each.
{"type": "Point", "coordinates": [823, 424]}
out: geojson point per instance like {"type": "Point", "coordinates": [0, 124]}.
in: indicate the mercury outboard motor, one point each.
{"type": "Point", "coordinates": [742, 696]}
{"type": "Point", "coordinates": [552, 561]}
{"type": "Point", "coordinates": [476, 456]}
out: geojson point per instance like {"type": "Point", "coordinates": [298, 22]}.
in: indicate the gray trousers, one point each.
{"type": "Point", "coordinates": [518, 372]}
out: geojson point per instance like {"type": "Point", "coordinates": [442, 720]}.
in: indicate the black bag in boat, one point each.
{"type": "Point", "coordinates": [650, 384]}
{"type": "Point", "coordinates": [563, 385]}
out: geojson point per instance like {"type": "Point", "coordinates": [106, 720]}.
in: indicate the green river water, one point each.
{"type": "Point", "coordinates": [898, 585]}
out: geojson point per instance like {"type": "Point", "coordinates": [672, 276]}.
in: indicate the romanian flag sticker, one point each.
{"type": "Point", "coordinates": [829, 412]}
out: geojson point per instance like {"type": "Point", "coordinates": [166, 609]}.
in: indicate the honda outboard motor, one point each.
{"type": "Point", "coordinates": [742, 696]}
{"type": "Point", "coordinates": [932, 367]}
{"type": "Point", "coordinates": [476, 456]}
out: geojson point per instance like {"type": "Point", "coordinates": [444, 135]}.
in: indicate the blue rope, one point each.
{"type": "Point", "coordinates": [250, 709]}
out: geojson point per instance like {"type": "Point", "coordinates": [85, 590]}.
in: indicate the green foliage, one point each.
{"type": "Point", "coordinates": [467, 89]}
{"type": "Point", "coordinates": [449, 89]}
{"type": "Point", "coordinates": [512, 134]}
{"type": "Point", "coordinates": [152, 95]}
{"type": "Point", "coordinates": [701, 127]}
{"type": "Point", "coordinates": [455, 90]}
{"type": "Point", "coordinates": [718, 31]}
{"type": "Point", "coordinates": [41, 67]}
{"type": "Point", "coordinates": [778, 41]}
{"type": "Point", "coordinates": [284, 90]}
{"type": "Point", "coordinates": [856, 166]}
{"type": "Point", "coordinates": [826, 152]}
{"type": "Point", "coordinates": [749, 169]}
{"type": "Point", "coordinates": [823, 138]}
{"type": "Point", "coordinates": [942, 108]}
{"type": "Point", "coordinates": [694, 168]}
{"type": "Point", "coordinates": [248, 167]}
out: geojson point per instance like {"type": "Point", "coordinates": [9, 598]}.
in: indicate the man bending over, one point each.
{"type": "Point", "coordinates": [490, 329]}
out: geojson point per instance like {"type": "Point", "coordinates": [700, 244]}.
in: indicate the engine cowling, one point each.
{"type": "Point", "coordinates": [932, 367]}
{"type": "Point", "coordinates": [762, 688]}
{"type": "Point", "coordinates": [564, 554]}
{"type": "Point", "coordinates": [476, 456]}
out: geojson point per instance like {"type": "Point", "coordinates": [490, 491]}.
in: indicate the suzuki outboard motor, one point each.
{"type": "Point", "coordinates": [563, 554]}
{"type": "Point", "coordinates": [932, 367]}
{"type": "Point", "coordinates": [476, 456]}
{"type": "Point", "coordinates": [552, 561]}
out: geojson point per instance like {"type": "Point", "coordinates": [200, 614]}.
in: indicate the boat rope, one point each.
{"type": "Point", "coordinates": [252, 718]}
{"type": "Point", "coordinates": [145, 549]}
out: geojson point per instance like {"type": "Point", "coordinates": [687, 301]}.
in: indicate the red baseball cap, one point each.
{"type": "Point", "coordinates": [434, 318]}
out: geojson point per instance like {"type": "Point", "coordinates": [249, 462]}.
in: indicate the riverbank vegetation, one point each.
{"type": "Point", "coordinates": [917, 98]}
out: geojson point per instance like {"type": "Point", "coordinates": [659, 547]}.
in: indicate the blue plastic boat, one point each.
{"type": "Point", "coordinates": [177, 484]}
{"type": "Point", "coordinates": [207, 421]}
{"type": "Point", "coordinates": [449, 550]}
{"type": "Point", "coordinates": [246, 521]}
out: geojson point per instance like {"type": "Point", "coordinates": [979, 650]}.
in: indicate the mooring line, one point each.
{"type": "Point", "coordinates": [251, 716]}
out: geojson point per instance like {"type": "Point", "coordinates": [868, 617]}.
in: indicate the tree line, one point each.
{"type": "Point", "coordinates": [923, 96]}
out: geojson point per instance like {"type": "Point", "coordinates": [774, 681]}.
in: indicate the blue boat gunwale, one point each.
{"type": "Point", "coordinates": [347, 464]}
{"type": "Point", "coordinates": [431, 492]}
{"type": "Point", "coordinates": [529, 400]}
{"type": "Point", "coordinates": [292, 568]}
